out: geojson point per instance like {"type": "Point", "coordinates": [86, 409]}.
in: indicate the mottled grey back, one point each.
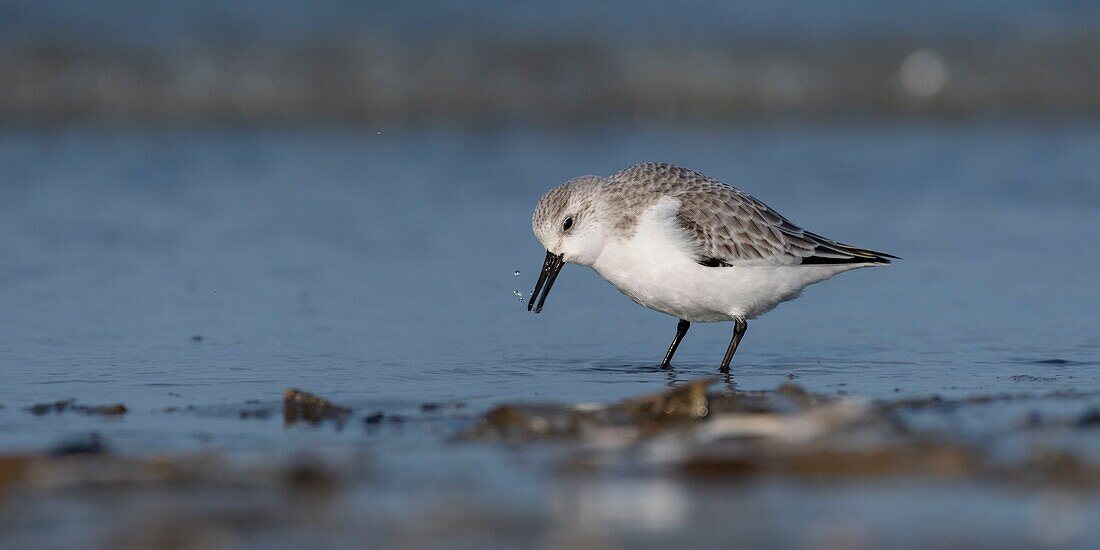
{"type": "Point", "coordinates": [729, 226]}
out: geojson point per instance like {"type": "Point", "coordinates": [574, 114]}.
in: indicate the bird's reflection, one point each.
{"type": "Point", "coordinates": [670, 375]}
{"type": "Point", "coordinates": [674, 379]}
{"type": "Point", "coordinates": [729, 383]}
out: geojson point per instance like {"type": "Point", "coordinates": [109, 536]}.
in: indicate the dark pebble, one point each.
{"type": "Point", "coordinates": [375, 418]}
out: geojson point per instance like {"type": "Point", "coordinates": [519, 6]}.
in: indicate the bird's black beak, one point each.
{"type": "Point", "coordinates": [550, 268]}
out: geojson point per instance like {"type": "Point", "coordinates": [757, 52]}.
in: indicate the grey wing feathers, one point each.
{"type": "Point", "coordinates": [731, 227]}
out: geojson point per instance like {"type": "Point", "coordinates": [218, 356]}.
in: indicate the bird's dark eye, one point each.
{"type": "Point", "coordinates": [568, 223]}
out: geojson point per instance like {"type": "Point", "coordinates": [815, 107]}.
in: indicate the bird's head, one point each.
{"type": "Point", "coordinates": [570, 223]}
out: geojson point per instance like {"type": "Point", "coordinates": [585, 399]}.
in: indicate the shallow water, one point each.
{"type": "Point", "coordinates": [377, 270]}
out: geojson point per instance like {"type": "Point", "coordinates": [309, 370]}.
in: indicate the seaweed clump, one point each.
{"type": "Point", "coordinates": [684, 407]}
{"type": "Point", "coordinates": [647, 413]}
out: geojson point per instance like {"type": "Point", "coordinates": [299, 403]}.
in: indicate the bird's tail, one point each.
{"type": "Point", "coordinates": [831, 252]}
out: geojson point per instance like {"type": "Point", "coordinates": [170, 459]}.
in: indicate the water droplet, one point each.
{"type": "Point", "coordinates": [515, 273]}
{"type": "Point", "coordinates": [518, 294]}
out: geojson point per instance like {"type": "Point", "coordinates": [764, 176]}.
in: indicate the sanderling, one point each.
{"type": "Point", "coordinates": [681, 243]}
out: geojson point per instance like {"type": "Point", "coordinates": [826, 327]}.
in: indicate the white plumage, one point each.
{"type": "Point", "coordinates": [654, 268]}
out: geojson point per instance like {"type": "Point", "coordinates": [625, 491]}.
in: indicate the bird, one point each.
{"type": "Point", "coordinates": [682, 243]}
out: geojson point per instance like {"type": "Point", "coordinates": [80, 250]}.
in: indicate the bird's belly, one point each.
{"type": "Point", "coordinates": [673, 283]}
{"type": "Point", "coordinates": [706, 294]}
{"type": "Point", "coordinates": [681, 294]}
{"type": "Point", "coordinates": [655, 268]}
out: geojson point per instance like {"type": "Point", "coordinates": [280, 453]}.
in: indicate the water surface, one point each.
{"type": "Point", "coordinates": [377, 270]}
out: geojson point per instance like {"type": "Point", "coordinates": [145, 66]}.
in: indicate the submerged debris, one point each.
{"type": "Point", "coordinates": [511, 422]}
{"type": "Point", "coordinates": [686, 403]}
{"type": "Point", "coordinates": [92, 444]}
{"type": "Point", "coordinates": [787, 431]}
{"type": "Point", "coordinates": [304, 406]}
{"type": "Point", "coordinates": [310, 478]}
{"type": "Point", "coordinates": [39, 409]}
{"type": "Point", "coordinates": [58, 407]}
{"type": "Point", "coordinates": [259, 414]}
{"type": "Point", "coordinates": [105, 410]}
{"type": "Point", "coordinates": [1090, 418]}
{"type": "Point", "coordinates": [1030, 378]}
{"type": "Point", "coordinates": [433, 407]}
{"type": "Point", "coordinates": [679, 407]}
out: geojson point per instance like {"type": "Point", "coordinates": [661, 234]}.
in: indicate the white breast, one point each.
{"type": "Point", "coordinates": [655, 267]}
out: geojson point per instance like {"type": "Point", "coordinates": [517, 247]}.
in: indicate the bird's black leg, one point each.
{"type": "Point", "coordinates": [681, 330]}
{"type": "Point", "coordinates": [739, 328]}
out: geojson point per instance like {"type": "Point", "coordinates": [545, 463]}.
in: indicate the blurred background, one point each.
{"type": "Point", "coordinates": [203, 203]}
{"type": "Point", "coordinates": [392, 63]}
